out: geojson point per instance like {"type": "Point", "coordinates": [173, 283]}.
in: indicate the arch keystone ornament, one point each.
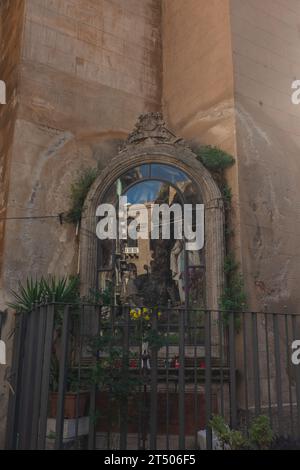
{"type": "Point", "coordinates": [151, 128]}
{"type": "Point", "coordinates": [152, 142]}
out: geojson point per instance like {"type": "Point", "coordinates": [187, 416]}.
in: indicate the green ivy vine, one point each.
{"type": "Point", "coordinates": [234, 297]}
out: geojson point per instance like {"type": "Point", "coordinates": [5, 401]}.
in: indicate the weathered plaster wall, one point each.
{"type": "Point", "coordinates": [265, 41]}
{"type": "Point", "coordinates": [198, 94]}
{"type": "Point", "coordinates": [227, 73]}
{"type": "Point", "coordinates": [11, 27]}
{"type": "Point", "coordinates": [88, 68]}
{"type": "Point", "coordinates": [197, 70]}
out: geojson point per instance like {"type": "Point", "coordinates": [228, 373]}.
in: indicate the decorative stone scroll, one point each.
{"type": "Point", "coordinates": [151, 129]}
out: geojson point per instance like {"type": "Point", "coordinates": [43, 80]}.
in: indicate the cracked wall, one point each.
{"type": "Point", "coordinates": [11, 21]}
{"type": "Point", "coordinates": [265, 44]}
{"type": "Point", "coordinates": [228, 66]}
{"type": "Point", "coordinates": [87, 69]}
{"type": "Point", "coordinates": [198, 87]}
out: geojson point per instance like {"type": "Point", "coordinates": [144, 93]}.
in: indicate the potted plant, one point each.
{"type": "Point", "coordinates": [76, 398]}
{"type": "Point", "coordinates": [61, 291]}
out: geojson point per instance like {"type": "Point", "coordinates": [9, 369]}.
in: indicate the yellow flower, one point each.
{"type": "Point", "coordinates": [159, 314]}
{"type": "Point", "coordinates": [147, 317]}
{"type": "Point", "coordinates": [135, 313]}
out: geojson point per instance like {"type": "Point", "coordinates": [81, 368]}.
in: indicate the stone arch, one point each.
{"type": "Point", "coordinates": [152, 142]}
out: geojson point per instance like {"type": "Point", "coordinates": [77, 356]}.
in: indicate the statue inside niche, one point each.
{"type": "Point", "coordinates": [155, 286]}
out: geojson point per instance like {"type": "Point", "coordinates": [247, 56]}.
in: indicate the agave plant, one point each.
{"type": "Point", "coordinates": [38, 290]}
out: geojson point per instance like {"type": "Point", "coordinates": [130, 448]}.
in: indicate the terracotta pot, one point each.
{"type": "Point", "coordinates": [70, 405]}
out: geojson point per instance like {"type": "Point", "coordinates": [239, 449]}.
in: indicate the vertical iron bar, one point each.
{"type": "Point", "coordinates": [245, 363]}
{"type": "Point", "coordinates": [278, 373]}
{"type": "Point", "coordinates": [181, 379]}
{"type": "Point", "coordinates": [46, 375]}
{"type": "Point", "coordinates": [93, 392]}
{"type": "Point", "coordinates": [111, 329]}
{"type": "Point", "coordinates": [141, 429]}
{"type": "Point", "coordinates": [208, 398]}
{"type": "Point", "coordinates": [78, 390]}
{"type": "Point", "coordinates": [92, 418]}
{"type": "Point", "coordinates": [154, 391]}
{"type": "Point", "coordinates": [232, 371]}
{"type": "Point", "coordinates": [125, 366]}
{"type": "Point", "coordinates": [256, 377]}
{"type": "Point", "coordinates": [63, 370]}
{"type": "Point", "coordinates": [36, 398]}
{"type": "Point", "coordinates": [221, 354]}
{"type": "Point", "coordinates": [167, 383]}
{"type": "Point", "coordinates": [287, 341]}
{"type": "Point", "coordinates": [196, 365]}
{"type": "Point", "coordinates": [29, 370]}
{"type": "Point", "coordinates": [23, 378]}
{"type": "Point", "coordinates": [268, 371]}
{"type": "Point", "coordinates": [15, 383]}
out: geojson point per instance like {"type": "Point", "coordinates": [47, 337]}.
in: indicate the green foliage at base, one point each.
{"type": "Point", "coordinates": [260, 433]}
{"type": "Point", "coordinates": [37, 291]}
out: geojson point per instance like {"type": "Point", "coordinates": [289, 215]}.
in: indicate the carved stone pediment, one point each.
{"type": "Point", "coordinates": [151, 128]}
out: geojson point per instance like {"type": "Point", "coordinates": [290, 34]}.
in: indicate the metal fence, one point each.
{"type": "Point", "coordinates": [92, 377]}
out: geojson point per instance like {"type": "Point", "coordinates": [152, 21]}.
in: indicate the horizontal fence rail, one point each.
{"type": "Point", "coordinates": [100, 377]}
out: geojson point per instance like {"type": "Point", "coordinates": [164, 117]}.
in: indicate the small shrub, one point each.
{"type": "Point", "coordinates": [260, 432]}
{"type": "Point", "coordinates": [79, 192]}
{"type": "Point", "coordinates": [227, 195]}
{"type": "Point", "coordinates": [238, 441]}
{"type": "Point", "coordinates": [234, 298]}
{"type": "Point", "coordinates": [214, 159]}
{"type": "Point", "coordinates": [231, 439]}
{"type": "Point", "coordinates": [230, 264]}
{"type": "Point", "coordinates": [221, 429]}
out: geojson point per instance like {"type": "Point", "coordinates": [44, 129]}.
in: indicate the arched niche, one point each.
{"type": "Point", "coordinates": [152, 142]}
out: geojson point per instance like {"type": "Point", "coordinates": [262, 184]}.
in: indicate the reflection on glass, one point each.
{"type": "Point", "coordinates": [158, 272]}
{"type": "Point", "coordinates": [190, 193]}
{"type": "Point", "coordinates": [105, 250]}
{"type": "Point", "coordinates": [127, 179]}
{"type": "Point", "coordinates": [168, 173]}
{"type": "Point", "coordinates": [133, 175]}
{"type": "Point", "coordinates": [151, 271]}
{"type": "Point", "coordinates": [104, 281]}
{"type": "Point", "coordinates": [144, 192]}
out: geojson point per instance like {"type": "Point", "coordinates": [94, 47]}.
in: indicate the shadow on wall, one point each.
{"type": "Point", "coordinates": [269, 174]}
